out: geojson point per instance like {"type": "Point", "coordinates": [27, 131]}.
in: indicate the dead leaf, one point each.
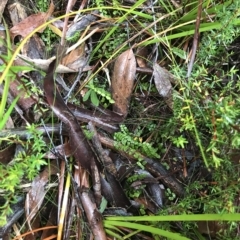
{"type": "Point", "coordinates": [34, 48]}
{"type": "Point", "coordinates": [24, 102]}
{"type": "Point", "coordinates": [55, 30]}
{"type": "Point", "coordinates": [7, 153]}
{"type": "Point", "coordinates": [141, 56]}
{"type": "Point", "coordinates": [123, 81]}
{"type": "Point", "coordinates": [163, 79]}
{"type": "Point", "coordinates": [52, 221]}
{"type": "Point", "coordinates": [2, 7]}
{"type": "Point", "coordinates": [29, 24]}
{"type": "Point", "coordinates": [43, 64]}
{"type": "Point", "coordinates": [17, 13]}
{"type": "Point", "coordinates": [3, 48]}
{"type": "Point", "coordinates": [63, 150]}
{"type": "Point", "coordinates": [37, 192]}
{"type": "Point", "coordinates": [211, 228]}
{"type": "Point", "coordinates": [83, 23]}
{"type": "Point", "coordinates": [76, 58]}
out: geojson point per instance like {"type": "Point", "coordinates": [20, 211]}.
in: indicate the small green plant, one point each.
{"type": "Point", "coordinates": [75, 37]}
{"type": "Point", "coordinates": [25, 166]}
{"type": "Point", "coordinates": [99, 4]}
{"type": "Point", "coordinates": [132, 144]}
{"type": "Point", "coordinates": [94, 93]}
{"type": "Point", "coordinates": [135, 192]}
{"type": "Point", "coordinates": [48, 36]}
{"type": "Point", "coordinates": [10, 76]}
{"type": "Point", "coordinates": [203, 103]}
{"type": "Point", "coordinates": [179, 141]}
{"type": "Point", "coordinates": [118, 37]}
{"type": "Point", "coordinates": [42, 5]}
{"type": "Point", "coordinates": [88, 134]}
{"type": "Point", "coordinates": [170, 195]}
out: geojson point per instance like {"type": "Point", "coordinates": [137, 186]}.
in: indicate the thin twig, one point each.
{"type": "Point", "coordinates": [69, 7]}
{"type": "Point", "coordinates": [195, 39]}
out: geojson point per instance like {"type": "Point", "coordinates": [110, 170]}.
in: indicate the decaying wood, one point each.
{"type": "Point", "coordinates": [79, 146]}
{"type": "Point", "coordinates": [111, 187]}
{"type": "Point", "coordinates": [106, 160]}
{"type": "Point", "coordinates": [84, 22]}
{"type": "Point", "coordinates": [154, 194]}
{"type": "Point", "coordinates": [153, 166]}
{"type": "Point", "coordinates": [96, 179]}
{"type": "Point", "coordinates": [113, 192]}
{"type": "Point", "coordinates": [93, 215]}
{"type": "Point", "coordinates": [36, 194]}
{"type": "Point", "coordinates": [103, 121]}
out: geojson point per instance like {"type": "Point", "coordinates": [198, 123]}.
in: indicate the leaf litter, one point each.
{"type": "Point", "coordinates": [123, 84]}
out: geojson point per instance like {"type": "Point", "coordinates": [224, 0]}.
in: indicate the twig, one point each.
{"type": "Point", "coordinates": [195, 38]}
{"type": "Point", "coordinates": [154, 167]}
{"type": "Point", "coordinates": [69, 7]}
{"type": "Point", "coordinates": [106, 160]}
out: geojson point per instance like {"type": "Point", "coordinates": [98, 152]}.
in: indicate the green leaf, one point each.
{"type": "Point", "coordinates": [146, 228]}
{"type": "Point", "coordinates": [179, 52]}
{"type": "Point", "coordinates": [3, 220]}
{"type": "Point", "coordinates": [113, 234]}
{"type": "Point", "coordinates": [175, 218]}
{"type": "Point", "coordinates": [103, 205]}
{"type": "Point", "coordinates": [7, 114]}
{"type": "Point", "coordinates": [87, 94]}
{"type": "Point", "coordinates": [94, 99]}
{"type": "Point", "coordinates": [17, 69]}
{"type": "Point", "coordinates": [180, 141]}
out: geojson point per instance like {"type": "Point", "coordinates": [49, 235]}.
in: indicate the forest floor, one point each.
{"type": "Point", "coordinates": [119, 120]}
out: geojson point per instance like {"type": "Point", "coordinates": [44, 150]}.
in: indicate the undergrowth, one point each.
{"type": "Point", "coordinates": [25, 166]}
{"type": "Point", "coordinates": [205, 110]}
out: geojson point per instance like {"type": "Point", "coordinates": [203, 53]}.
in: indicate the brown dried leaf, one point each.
{"type": "Point", "coordinates": [141, 56]}
{"type": "Point", "coordinates": [123, 81]}
{"type": "Point", "coordinates": [17, 13]}
{"type": "Point", "coordinates": [76, 58]}
{"type": "Point", "coordinates": [32, 22]}
{"type": "Point", "coordinates": [63, 150]}
{"type": "Point", "coordinates": [34, 48]}
{"type": "Point", "coordinates": [37, 192]}
{"type": "Point", "coordinates": [2, 7]}
{"type": "Point", "coordinates": [43, 64]}
{"type": "Point", "coordinates": [163, 79]}
{"type": "Point", "coordinates": [24, 102]}
{"type": "Point", "coordinates": [7, 153]}
{"type": "Point", "coordinates": [211, 228]}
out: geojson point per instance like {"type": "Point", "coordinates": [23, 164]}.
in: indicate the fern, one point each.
{"type": "Point", "coordinates": [99, 4]}
{"type": "Point", "coordinates": [131, 143]}
{"type": "Point", "coordinates": [95, 91]}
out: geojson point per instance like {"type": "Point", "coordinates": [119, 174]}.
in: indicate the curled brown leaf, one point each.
{"type": "Point", "coordinates": [123, 80]}
{"type": "Point", "coordinates": [29, 24]}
